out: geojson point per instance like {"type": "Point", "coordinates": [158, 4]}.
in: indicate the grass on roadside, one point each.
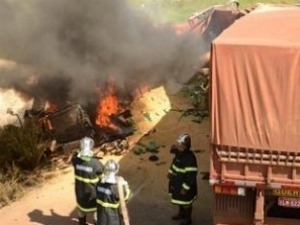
{"type": "Point", "coordinates": [179, 11]}
{"type": "Point", "coordinates": [10, 187]}
{"type": "Point", "coordinates": [15, 182]}
{"type": "Point", "coordinates": [22, 159]}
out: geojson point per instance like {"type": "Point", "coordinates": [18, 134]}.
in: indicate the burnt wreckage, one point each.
{"type": "Point", "coordinates": [72, 122]}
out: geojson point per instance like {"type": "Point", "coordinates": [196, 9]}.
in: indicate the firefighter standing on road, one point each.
{"type": "Point", "coordinates": [183, 179]}
{"type": "Point", "coordinates": [109, 211]}
{"type": "Point", "coordinates": [87, 172]}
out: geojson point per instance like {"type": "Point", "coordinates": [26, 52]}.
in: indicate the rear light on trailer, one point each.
{"type": "Point", "coordinates": [229, 190]}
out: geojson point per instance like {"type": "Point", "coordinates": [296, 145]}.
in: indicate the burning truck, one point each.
{"type": "Point", "coordinates": [108, 123]}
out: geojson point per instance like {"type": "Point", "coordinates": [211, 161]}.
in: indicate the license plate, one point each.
{"type": "Point", "coordinates": [289, 202]}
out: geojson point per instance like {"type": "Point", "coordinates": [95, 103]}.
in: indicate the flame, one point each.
{"type": "Point", "coordinates": [50, 107]}
{"type": "Point", "coordinates": [108, 105]}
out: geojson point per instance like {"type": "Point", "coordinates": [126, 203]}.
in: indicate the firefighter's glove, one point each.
{"type": "Point", "coordinates": [173, 149]}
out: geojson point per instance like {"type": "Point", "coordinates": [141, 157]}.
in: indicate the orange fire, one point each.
{"type": "Point", "coordinates": [108, 105]}
{"type": "Point", "coordinates": [50, 107]}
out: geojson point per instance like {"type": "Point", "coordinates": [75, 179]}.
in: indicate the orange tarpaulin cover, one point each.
{"type": "Point", "coordinates": [255, 81]}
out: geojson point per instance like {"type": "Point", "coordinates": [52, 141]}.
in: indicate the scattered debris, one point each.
{"type": "Point", "coordinates": [147, 116]}
{"type": "Point", "coordinates": [205, 175]}
{"type": "Point", "coordinates": [160, 163]}
{"type": "Point", "coordinates": [151, 147]}
{"type": "Point", "coordinates": [153, 158]}
{"type": "Point", "coordinates": [139, 151]}
{"type": "Point", "coordinates": [199, 151]}
{"type": "Point", "coordinates": [116, 147]}
{"type": "Point", "coordinates": [149, 132]}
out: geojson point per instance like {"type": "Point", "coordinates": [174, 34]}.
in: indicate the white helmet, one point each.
{"type": "Point", "coordinates": [111, 168]}
{"type": "Point", "coordinates": [86, 147]}
{"type": "Point", "coordinates": [184, 139]}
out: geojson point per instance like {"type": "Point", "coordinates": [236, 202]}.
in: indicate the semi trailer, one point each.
{"type": "Point", "coordinates": [255, 119]}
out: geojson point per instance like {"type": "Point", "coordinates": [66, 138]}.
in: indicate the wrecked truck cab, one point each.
{"type": "Point", "coordinates": [68, 124]}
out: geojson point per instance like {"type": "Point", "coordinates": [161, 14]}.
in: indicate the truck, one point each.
{"type": "Point", "coordinates": [255, 119]}
{"type": "Point", "coordinates": [67, 125]}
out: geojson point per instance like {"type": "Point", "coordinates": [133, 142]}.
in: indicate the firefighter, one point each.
{"type": "Point", "coordinates": [183, 179]}
{"type": "Point", "coordinates": [88, 171]}
{"type": "Point", "coordinates": [109, 211]}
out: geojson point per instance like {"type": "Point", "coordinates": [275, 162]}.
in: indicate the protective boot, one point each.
{"type": "Point", "coordinates": [179, 215]}
{"type": "Point", "coordinates": [82, 220]}
{"type": "Point", "coordinates": [187, 218]}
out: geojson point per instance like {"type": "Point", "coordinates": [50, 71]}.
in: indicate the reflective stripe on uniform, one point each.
{"type": "Point", "coordinates": [108, 205]}
{"type": "Point", "coordinates": [180, 202]}
{"type": "Point", "coordinates": [86, 158]}
{"type": "Point", "coordinates": [87, 180]}
{"type": "Point", "coordinates": [191, 169]}
{"type": "Point", "coordinates": [184, 170]}
{"type": "Point", "coordinates": [185, 186]}
{"type": "Point", "coordinates": [85, 209]}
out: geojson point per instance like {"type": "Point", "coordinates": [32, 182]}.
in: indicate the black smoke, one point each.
{"type": "Point", "coordinates": [65, 48]}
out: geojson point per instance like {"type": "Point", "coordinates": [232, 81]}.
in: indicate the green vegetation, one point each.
{"type": "Point", "coordinates": [10, 188]}
{"type": "Point", "coordinates": [21, 151]}
{"type": "Point", "coordinates": [180, 10]}
{"type": "Point", "coordinates": [197, 92]}
{"type": "Point", "coordinates": [23, 146]}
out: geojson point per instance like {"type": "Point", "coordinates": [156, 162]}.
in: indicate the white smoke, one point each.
{"type": "Point", "coordinates": [11, 100]}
